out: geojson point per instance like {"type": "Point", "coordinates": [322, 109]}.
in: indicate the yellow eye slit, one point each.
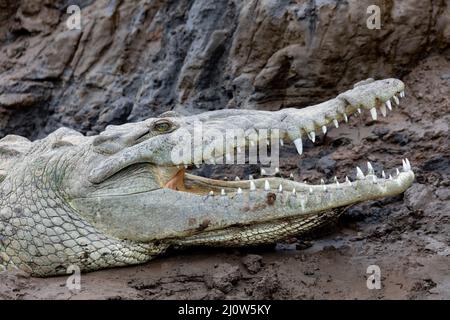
{"type": "Point", "coordinates": [162, 126]}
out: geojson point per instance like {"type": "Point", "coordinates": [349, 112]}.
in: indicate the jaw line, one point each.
{"type": "Point", "coordinates": [270, 230]}
{"type": "Point", "coordinates": [381, 186]}
{"type": "Point", "coordinates": [300, 199]}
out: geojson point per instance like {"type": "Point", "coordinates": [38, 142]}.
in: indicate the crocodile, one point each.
{"type": "Point", "coordinates": [121, 197]}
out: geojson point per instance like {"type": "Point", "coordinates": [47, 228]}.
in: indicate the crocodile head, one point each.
{"type": "Point", "coordinates": [124, 196]}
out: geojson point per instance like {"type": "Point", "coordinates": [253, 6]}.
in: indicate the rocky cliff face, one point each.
{"type": "Point", "coordinates": [135, 59]}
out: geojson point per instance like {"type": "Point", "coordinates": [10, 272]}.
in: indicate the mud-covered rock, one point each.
{"type": "Point", "coordinates": [266, 287]}
{"type": "Point", "coordinates": [12, 282]}
{"type": "Point", "coordinates": [418, 196]}
{"type": "Point", "coordinates": [223, 277]}
{"type": "Point", "coordinates": [253, 263]}
{"type": "Point", "coordinates": [443, 193]}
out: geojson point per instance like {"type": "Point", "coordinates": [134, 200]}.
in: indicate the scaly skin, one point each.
{"type": "Point", "coordinates": [119, 198]}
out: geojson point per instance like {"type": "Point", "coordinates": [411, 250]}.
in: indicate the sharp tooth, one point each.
{"type": "Point", "coordinates": [280, 188]}
{"type": "Point", "coordinates": [299, 145]}
{"type": "Point", "coordinates": [374, 179]}
{"type": "Point", "coordinates": [222, 192]}
{"type": "Point", "coordinates": [266, 185]}
{"type": "Point", "coordinates": [397, 102]}
{"type": "Point", "coordinates": [322, 182]}
{"type": "Point", "coordinates": [402, 94]}
{"type": "Point", "coordinates": [237, 179]}
{"type": "Point", "coordinates": [252, 186]}
{"type": "Point", "coordinates": [281, 142]}
{"type": "Point", "coordinates": [397, 171]}
{"type": "Point", "coordinates": [263, 172]}
{"type": "Point", "coordinates": [390, 177]}
{"type": "Point", "coordinates": [408, 164]}
{"type": "Point", "coordinates": [345, 117]}
{"type": "Point", "coordinates": [277, 170]}
{"type": "Point", "coordinates": [383, 110]}
{"type": "Point", "coordinates": [373, 113]}
{"type": "Point", "coordinates": [291, 176]}
{"type": "Point", "coordinates": [312, 136]}
{"type": "Point", "coordinates": [336, 123]}
{"type": "Point", "coordinates": [197, 165]}
{"type": "Point", "coordinates": [359, 174]}
{"type": "Point", "coordinates": [359, 110]}
{"type": "Point", "coordinates": [250, 177]}
{"type": "Point", "coordinates": [211, 193]}
{"type": "Point", "coordinates": [388, 104]}
{"type": "Point", "coordinates": [405, 166]}
{"type": "Point", "coordinates": [324, 129]}
{"type": "Point", "coordinates": [336, 180]}
{"type": "Point", "coordinates": [310, 190]}
{"type": "Point", "coordinates": [369, 168]}
{"type": "Point", "coordinates": [239, 191]}
{"type": "Point", "coordinates": [383, 175]}
{"type": "Point", "coordinates": [294, 192]}
{"type": "Point", "coordinates": [347, 181]}
{"type": "Point", "coordinates": [267, 143]}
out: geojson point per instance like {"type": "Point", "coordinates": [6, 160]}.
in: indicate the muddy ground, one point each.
{"type": "Point", "coordinates": [408, 236]}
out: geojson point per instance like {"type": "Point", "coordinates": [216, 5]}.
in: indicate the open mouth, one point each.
{"type": "Point", "coordinates": [311, 201]}
{"type": "Point", "coordinates": [291, 125]}
{"type": "Point", "coordinates": [145, 180]}
{"type": "Point", "coordinates": [184, 181]}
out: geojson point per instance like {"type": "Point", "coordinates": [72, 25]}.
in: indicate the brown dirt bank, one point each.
{"type": "Point", "coordinates": [408, 236]}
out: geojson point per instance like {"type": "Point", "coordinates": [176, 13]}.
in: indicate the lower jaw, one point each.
{"type": "Point", "coordinates": [259, 233]}
{"type": "Point", "coordinates": [256, 233]}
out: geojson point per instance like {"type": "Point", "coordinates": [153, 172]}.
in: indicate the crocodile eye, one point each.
{"type": "Point", "coordinates": [162, 126]}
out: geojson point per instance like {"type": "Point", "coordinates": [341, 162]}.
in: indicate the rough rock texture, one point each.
{"type": "Point", "coordinates": [134, 59]}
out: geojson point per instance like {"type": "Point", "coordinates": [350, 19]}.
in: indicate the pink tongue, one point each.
{"type": "Point", "coordinates": [177, 181]}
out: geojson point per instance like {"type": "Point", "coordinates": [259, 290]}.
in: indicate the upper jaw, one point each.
{"type": "Point", "coordinates": [293, 124]}
{"type": "Point", "coordinates": [375, 96]}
